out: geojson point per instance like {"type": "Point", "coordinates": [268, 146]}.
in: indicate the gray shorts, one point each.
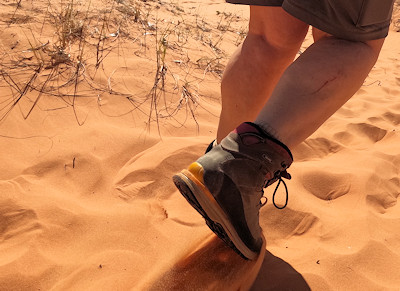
{"type": "Point", "coordinates": [357, 20]}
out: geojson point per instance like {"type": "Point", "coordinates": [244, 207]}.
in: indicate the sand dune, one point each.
{"type": "Point", "coordinates": [86, 196]}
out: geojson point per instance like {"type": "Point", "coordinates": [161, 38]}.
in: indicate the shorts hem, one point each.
{"type": "Point", "coordinates": [354, 35]}
{"type": "Point", "coordinates": [272, 3]}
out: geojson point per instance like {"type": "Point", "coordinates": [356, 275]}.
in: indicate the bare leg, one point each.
{"type": "Point", "coordinates": [273, 40]}
{"type": "Point", "coordinates": [317, 84]}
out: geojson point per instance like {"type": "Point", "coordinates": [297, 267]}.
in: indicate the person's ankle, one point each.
{"type": "Point", "coordinates": [269, 130]}
{"type": "Point", "coordinates": [265, 132]}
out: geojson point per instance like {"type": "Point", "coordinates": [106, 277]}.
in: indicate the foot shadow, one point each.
{"type": "Point", "coordinates": [214, 266]}
{"type": "Point", "coordinates": [277, 275]}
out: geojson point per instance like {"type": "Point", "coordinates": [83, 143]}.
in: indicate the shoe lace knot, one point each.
{"type": "Point", "coordinates": [277, 177]}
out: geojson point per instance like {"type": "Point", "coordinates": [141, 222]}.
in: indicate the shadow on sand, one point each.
{"type": "Point", "coordinates": [214, 266]}
{"type": "Point", "coordinates": [277, 275]}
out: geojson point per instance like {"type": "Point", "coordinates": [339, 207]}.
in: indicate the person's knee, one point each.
{"type": "Point", "coordinates": [374, 46]}
{"type": "Point", "coordinates": [278, 28]}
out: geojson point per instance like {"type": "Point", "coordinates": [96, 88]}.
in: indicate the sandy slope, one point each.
{"type": "Point", "coordinates": [92, 207]}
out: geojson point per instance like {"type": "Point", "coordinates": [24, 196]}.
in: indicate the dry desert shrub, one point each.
{"type": "Point", "coordinates": [62, 46]}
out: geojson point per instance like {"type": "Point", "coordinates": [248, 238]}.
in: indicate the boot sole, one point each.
{"type": "Point", "coordinates": [202, 200]}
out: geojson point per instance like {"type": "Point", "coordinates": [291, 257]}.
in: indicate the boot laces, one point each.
{"type": "Point", "coordinates": [278, 176]}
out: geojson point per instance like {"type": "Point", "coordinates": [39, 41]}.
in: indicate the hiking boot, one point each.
{"type": "Point", "coordinates": [211, 146]}
{"type": "Point", "coordinates": [226, 185]}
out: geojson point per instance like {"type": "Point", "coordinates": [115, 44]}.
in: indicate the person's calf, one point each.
{"type": "Point", "coordinates": [273, 40]}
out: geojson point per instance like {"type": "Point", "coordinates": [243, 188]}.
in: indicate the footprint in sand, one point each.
{"type": "Point", "coordinates": [382, 193]}
{"type": "Point", "coordinates": [382, 188]}
{"type": "Point", "coordinates": [344, 137]}
{"type": "Point", "coordinates": [281, 224]}
{"type": "Point", "coordinates": [84, 174]}
{"type": "Point", "coordinates": [149, 174]}
{"type": "Point", "coordinates": [18, 225]}
{"type": "Point", "coordinates": [393, 118]}
{"type": "Point", "coordinates": [315, 148]}
{"type": "Point", "coordinates": [371, 132]}
{"type": "Point", "coordinates": [326, 185]}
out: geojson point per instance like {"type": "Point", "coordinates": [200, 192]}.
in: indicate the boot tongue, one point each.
{"type": "Point", "coordinates": [247, 127]}
{"type": "Point", "coordinates": [245, 131]}
{"type": "Point", "coordinates": [251, 133]}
